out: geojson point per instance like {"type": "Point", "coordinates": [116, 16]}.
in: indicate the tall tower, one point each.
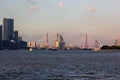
{"type": "Point", "coordinates": [86, 42]}
{"type": "Point", "coordinates": [47, 43]}
{"type": "Point", "coordinates": [8, 25]}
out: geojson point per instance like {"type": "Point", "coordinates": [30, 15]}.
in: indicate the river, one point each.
{"type": "Point", "coordinates": [59, 65]}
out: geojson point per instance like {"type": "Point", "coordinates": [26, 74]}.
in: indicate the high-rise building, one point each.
{"type": "Point", "coordinates": [0, 36]}
{"type": "Point", "coordinates": [16, 36]}
{"type": "Point", "coordinates": [60, 43]}
{"type": "Point", "coordinates": [8, 25]}
{"type": "Point", "coordinates": [0, 32]}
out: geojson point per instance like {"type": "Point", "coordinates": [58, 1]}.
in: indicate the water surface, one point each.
{"type": "Point", "coordinates": [60, 65]}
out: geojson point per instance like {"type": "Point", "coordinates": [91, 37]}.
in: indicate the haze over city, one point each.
{"type": "Point", "coordinates": [72, 18]}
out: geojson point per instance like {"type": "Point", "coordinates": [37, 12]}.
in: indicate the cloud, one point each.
{"type": "Point", "coordinates": [31, 1]}
{"type": "Point", "coordinates": [33, 4]}
{"type": "Point", "coordinates": [34, 7]}
{"type": "Point", "coordinates": [90, 8]}
{"type": "Point", "coordinates": [60, 5]}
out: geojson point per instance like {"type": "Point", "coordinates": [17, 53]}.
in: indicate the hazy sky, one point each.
{"type": "Point", "coordinates": [98, 18]}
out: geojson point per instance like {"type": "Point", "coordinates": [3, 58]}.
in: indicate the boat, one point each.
{"type": "Point", "coordinates": [53, 49]}
{"type": "Point", "coordinates": [87, 49]}
{"type": "Point", "coordinates": [30, 49]}
{"type": "Point", "coordinates": [96, 49]}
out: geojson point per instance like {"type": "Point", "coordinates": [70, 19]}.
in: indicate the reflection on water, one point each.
{"type": "Point", "coordinates": [59, 65]}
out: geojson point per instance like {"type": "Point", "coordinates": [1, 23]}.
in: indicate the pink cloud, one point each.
{"type": "Point", "coordinates": [34, 7]}
{"type": "Point", "coordinates": [90, 8]}
{"type": "Point", "coordinates": [60, 5]}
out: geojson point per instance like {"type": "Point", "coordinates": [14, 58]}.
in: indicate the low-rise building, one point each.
{"type": "Point", "coordinates": [117, 42]}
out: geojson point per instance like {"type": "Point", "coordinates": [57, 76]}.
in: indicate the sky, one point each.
{"type": "Point", "coordinates": [72, 18]}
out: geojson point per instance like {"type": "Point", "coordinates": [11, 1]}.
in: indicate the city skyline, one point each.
{"type": "Point", "coordinates": [98, 18]}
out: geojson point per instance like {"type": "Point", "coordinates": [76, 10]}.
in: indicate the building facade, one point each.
{"type": "Point", "coordinates": [59, 43]}
{"type": "Point", "coordinates": [8, 25]}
